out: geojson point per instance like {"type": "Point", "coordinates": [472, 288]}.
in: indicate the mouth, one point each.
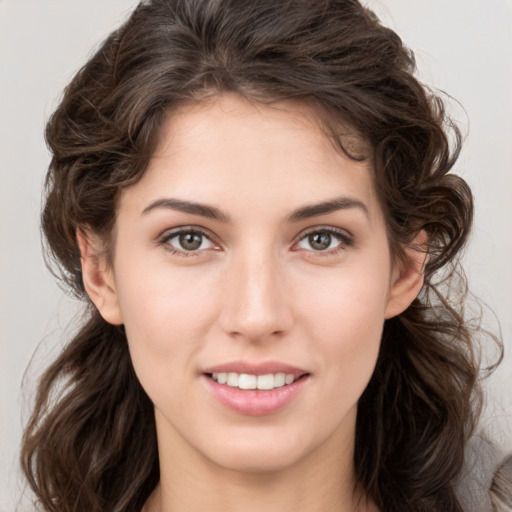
{"type": "Point", "coordinates": [255, 389]}
{"type": "Point", "coordinates": [247, 381]}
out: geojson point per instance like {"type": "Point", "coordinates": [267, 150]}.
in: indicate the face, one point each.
{"type": "Point", "coordinates": [252, 254]}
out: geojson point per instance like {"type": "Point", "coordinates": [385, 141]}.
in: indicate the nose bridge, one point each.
{"type": "Point", "coordinates": [255, 305]}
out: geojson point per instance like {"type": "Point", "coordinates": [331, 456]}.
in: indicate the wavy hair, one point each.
{"type": "Point", "coordinates": [92, 420]}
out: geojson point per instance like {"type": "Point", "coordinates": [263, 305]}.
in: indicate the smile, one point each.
{"type": "Point", "coordinates": [255, 389]}
{"type": "Point", "coordinates": [249, 381]}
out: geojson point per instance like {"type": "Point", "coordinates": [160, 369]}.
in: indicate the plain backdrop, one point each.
{"type": "Point", "coordinates": [463, 47]}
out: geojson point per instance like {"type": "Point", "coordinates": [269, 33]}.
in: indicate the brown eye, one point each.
{"type": "Point", "coordinates": [187, 241]}
{"type": "Point", "coordinates": [190, 241]}
{"type": "Point", "coordinates": [320, 241]}
{"type": "Point", "coordinates": [328, 240]}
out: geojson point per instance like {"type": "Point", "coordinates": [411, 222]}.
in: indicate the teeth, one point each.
{"type": "Point", "coordinates": [248, 381]}
{"type": "Point", "coordinates": [232, 380]}
{"type": "Point", "coordinates": [280, 379]}
{"type": "Point", "coordinates": [265, 381]}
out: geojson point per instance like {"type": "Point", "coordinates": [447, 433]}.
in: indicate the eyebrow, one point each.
{"type": "Point", "coordinates": [338, 203]}
{"type": "Point", "coordinates": [211, 212]}
{"type": "Point", "coordinates": [191, 207]}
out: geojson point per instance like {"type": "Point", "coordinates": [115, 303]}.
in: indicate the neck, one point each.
{"type": "Point", "coordinates": [255, 496]}
{"type": "Point", "coordinates": [323, 481]}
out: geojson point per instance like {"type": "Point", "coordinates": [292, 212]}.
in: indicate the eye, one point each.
{"type": "Point", "coordinates": [324, 240]}
{"type": "Point", "coordinates": [187, 241]}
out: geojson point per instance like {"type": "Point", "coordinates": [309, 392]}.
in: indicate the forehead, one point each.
{"type": "Point", "coordinates": [229, 150]}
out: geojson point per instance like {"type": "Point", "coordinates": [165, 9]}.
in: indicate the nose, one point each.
{"type": "Point", "coordinates": [256, 300]}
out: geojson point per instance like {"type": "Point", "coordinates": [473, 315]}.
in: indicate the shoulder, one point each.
{"type": "Point", "coordinates": [481, 459]}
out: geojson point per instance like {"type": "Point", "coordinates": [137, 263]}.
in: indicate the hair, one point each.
{"type": "Point", "coordinates": [501, 487]}
{"type": "Point", "coordinates": [92, 419]}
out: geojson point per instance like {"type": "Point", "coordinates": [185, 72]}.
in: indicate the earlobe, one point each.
{"type": "Point", "coordinates": [408, 278]}
{"type": "Point", "coordinates": [98, 278]}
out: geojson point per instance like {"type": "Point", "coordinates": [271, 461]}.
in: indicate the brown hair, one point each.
{"type": "Point", "coordinates": [90, 444]}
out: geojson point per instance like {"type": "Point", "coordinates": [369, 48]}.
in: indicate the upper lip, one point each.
{"type": "Point", "coordinates": [262, 368]}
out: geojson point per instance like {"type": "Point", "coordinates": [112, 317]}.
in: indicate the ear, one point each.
{"type": "Point", "coordinates": [408, 276]}
{"type": "Point", "coordinates": [98, 277]}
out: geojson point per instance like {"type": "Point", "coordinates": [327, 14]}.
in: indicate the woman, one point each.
{"type": "Point", "coordinates": [253, 198]}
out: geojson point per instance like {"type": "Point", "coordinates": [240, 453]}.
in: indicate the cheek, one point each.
{"type": "Point", "coordinates": [156, 296]}
{"type": "Point", "coordinates": [165, 316]}
{"type": "Point", "coordinates": [350, 334]}
{"type": "Point", "coordinates": [345, 315]}
{"type": "Point", "coordinates": [348, 301]}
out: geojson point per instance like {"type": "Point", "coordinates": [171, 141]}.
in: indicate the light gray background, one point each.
{"type": "Point", "coordinates": [462, 46]}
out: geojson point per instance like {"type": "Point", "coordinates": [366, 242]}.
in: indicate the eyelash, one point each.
{"type": "Point", "coordinates": [345, 240]}
{"type": "Point", "coordinates": [168, 236]}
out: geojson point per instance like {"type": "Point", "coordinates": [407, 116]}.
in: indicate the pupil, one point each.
{"type": "Point", "coordinates": [320, 241]}
{"type": "Point", "coordinates": [190, 241]}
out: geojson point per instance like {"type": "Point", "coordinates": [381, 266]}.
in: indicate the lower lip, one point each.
{"type": "Point", "coordinates": [255, 402]}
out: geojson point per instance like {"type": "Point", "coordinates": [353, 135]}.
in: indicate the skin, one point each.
{"type": "Point", "coordinates": [256, 290]}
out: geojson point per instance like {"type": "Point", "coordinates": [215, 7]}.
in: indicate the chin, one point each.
{"type": "Point", "coordinates": [258, 463]}
{"type": "Point", "coordinates": [259, 453]}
